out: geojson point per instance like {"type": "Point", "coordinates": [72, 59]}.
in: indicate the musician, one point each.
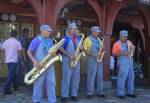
{"type": "Point", "coordinates": [37, 50]}
{"type": "Point", "coordinates": [125, 65]}
{"type": "Point", "coordinates": [92, 46]}
{"type": "Point", "coordinates": [70, 75]}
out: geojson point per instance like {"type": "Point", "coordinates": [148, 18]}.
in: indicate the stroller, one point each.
{"type": "Point", "coordinates": [138, 70]}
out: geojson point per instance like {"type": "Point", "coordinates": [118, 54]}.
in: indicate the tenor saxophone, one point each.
{"type": "Point", "coordinates": [46, 62]}
{"type": "Point", "coordinates": [77, 53]}
{"type": "Point", "coordinates": [101, 52]}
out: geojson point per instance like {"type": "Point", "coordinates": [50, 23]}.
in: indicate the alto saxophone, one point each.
{"type": "Point", "coordinates": [131, 49]}
{"type": "Point", "coordinates": [101, 52]}
{"type": "Point", "coordinates": [131, 52]}
{"type": "Point", "coordinates": [77, 53]}
{"type": "Point", "coordinates": [50, 59]}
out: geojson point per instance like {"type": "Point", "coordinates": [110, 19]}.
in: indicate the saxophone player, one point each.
{"type": "Point", "coordinates": [37, 50]}
{"type": "Point", "coordinates": [70, 75]}
{"type": "Point", "coordinates": [121, 49]}
{"type": "Point", "coordinates": [91, 46]}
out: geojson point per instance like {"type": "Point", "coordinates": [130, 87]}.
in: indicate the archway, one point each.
{"type": "Point", "coordinates": [83, 13]}
{"type": "Point", "coordinates": [16, 14]}
{"type": "Point", "coordinates": [136, 26]}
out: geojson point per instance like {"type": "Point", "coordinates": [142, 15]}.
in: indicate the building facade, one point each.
{"type": "Point", "coordinates": [110, 15]}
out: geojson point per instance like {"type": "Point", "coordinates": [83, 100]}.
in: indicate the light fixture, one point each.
{"type": "Point", "coordinates": [68, 21]}
{"type": "Point", "coordinates": [64, 12]}
{"type": "Point", "coordinates": [58, 35]}
{"type": "Point", "coordinates": [5, 17]}
{"type": "Point", "coordinates": [12, 17]}
{"type": "Point", "coordinates": [79, 22]}
{"type": "Point", "coordinates": [73, 21]}
{"type": "Point", "coordinates": [119, 0]}
{"type": "Point", "coordinates": [146, 2]}
{"type": "Point", "coordinates": [13, 27]}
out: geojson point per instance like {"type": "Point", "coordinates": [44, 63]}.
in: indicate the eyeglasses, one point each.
{"type": "Point", "coordinates": [73, 29]}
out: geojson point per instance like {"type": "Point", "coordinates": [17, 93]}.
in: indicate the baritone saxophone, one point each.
{"type": "Point", "coordinates": [46, 62]}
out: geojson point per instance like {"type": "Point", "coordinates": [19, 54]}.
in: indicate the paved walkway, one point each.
{"type": "Point", "coordinates": [24, 95]}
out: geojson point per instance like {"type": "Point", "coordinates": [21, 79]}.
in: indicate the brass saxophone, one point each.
{"type": "Point", "coordinates": [51, 58]}
{"type": "Point", "coordinates": [101, 52]}
{"type": "Point", "coordinates": [77, 53]}
{"type": "Point", "coordinates": [131, 50]}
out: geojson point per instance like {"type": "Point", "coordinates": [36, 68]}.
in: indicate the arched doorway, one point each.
{"type": "Point", "coordinates": [84, 16]}
{"type": "Point", "coordinates": [133, 20]}
{"type": "Point", "coordinates": [79, 12]}
{"type": "Point", "coordinates": [16, 14]}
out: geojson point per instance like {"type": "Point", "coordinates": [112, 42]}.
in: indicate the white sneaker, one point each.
{"type": "Point", "coordinates": [114, 77]}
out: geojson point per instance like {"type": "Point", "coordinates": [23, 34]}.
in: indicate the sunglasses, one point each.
{"type": "Point", "coordinates": [72, 28]}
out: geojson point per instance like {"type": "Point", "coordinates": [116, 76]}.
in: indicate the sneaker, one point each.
{"type": "Point", "coordinates": [114, 77]}
{"type": "Point", "coordinates": [101, 95]}
{"type": "Point", "coordinates": [121, 97]}
{"type": "Point", "coordinates": [131, 95]}
{"type": "Point", "coordinates": [15, 89]}
{"type": "Point", "coordinates": [74, 98]}
{"type": "Point", "coordinates": [89, 96]}
{"type": "Point", "coordinates": [64, 99]}
{"type": "Point", "coordinates": [7, 93]}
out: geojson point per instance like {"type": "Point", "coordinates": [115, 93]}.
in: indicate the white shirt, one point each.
{"type": "Point", "coordinates": [11, 47]}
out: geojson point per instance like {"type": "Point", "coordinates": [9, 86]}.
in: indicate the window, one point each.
{"type": "Point", "coordinates": [30, 27]}
{"type": "Point", "coordinates": [5, 29]}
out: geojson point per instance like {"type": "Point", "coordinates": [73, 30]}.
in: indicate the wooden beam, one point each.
{"type": "Point", "coordinates": [38, 8]}
{"type": "Point", "coordinates": [26, 15]}
{"type": "Point", "coordinates": [13, 8]}
{"type": "Point", "coordinates": [82, 15]}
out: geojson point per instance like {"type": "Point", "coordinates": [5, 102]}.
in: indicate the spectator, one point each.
{"type": "Point", "coordinates": [25, 42]}
{"type": "Point", "coordinates": [12, 49]}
